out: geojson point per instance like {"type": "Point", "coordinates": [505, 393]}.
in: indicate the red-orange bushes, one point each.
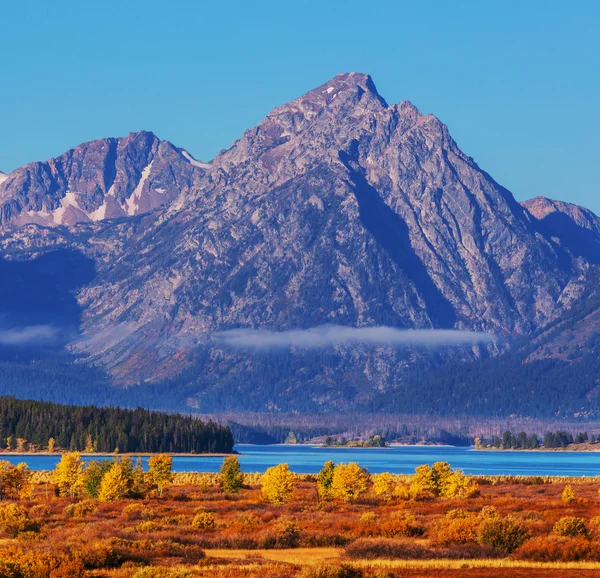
{"type": "Point", "coordinates": [21, 564]}
{"type": "Point", "coordinates": [558, 549]}
{"type": "Point", "coordinates": [457, 527]}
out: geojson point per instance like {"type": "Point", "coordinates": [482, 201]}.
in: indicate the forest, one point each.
{"type": "Point", "coordinates": [27, 425]}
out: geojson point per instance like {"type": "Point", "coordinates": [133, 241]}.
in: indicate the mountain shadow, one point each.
{"type": "Point", "coordinates": [392, 234]}
{"type": "Point", "coordinates": [38, 308]}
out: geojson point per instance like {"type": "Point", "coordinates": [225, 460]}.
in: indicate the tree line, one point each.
{"type": "Point", "coordinates": [523, 440]}
{"type": "Point", "coordinates": [27, 425]}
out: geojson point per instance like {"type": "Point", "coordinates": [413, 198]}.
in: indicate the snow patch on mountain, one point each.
{"type": "Point", "coordinates": [193, 161]}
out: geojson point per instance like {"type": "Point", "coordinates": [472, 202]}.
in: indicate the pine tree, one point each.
{"type": "Point", "coordinates": [231, 479]}
{"type": "Point", "coordinates": [325, 479]}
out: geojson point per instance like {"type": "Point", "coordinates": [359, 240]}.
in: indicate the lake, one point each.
{"type": "Point", "coordinates": [395, 459]}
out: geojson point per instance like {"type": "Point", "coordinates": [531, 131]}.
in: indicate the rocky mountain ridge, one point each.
{"type": "Point", "coordinates": [107, 178]}
{"type": "Point", "coordinates": [336, 209]}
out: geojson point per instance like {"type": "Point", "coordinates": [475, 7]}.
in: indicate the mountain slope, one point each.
{"type": "Point", "coordinates": [101, 179]}
{"type": "Point", "coordinates": [337, 208]}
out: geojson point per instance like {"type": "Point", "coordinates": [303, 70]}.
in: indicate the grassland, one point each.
{"type": "Point", "coordinates": [307, 537]}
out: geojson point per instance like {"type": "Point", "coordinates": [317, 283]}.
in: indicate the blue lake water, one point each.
{"type": "Point", "coordinates": [395, 459]}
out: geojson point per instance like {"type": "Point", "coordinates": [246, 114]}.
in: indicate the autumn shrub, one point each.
{"type": "Point", "coordinates": [14, 520]}
{"type": "Point", "coordinates": [330, 571]}
{"type": "Point", "coordinates": [374, 548]}
{"type": "Point", "coordinates": [204, 521]}
{"type": "Point", "coordinates": [402, 492]}
{"type": "Point", "coordinates": [570, 526]}
{"type": "Point", "coordinates": [505, 534]}
{"type": "Point", "coordinates": [137, 511]}
{"type": "Point", "coordinates": [278, 484]}
{"type": "Point", "coordinates": [147, 526]}
{"type": "Point", "coordinates": [568, 494]}
{"type": "Point", "coordinates": [488, 512]}
{"type": "Point", "coordinates": [158, 572]}
{"type": "Point", "coordinates": [172, 520]}
{"type": "Point", "coordinates": [39, 511]}
{"type": "Point", "coordinates": [288, 534]}
{"type": "Point", "coordinates": [19, 564]}
{"type": "Point", "coordinates": [555, 548]}
{"type": "Point", "coordinates": [81, 509]}
{"type": "Point", "coordinates": [98, 554]}
{"type": "Point", "coordinates": [401, 524]}
{"type": "Point", "coordinates": [456, 527]}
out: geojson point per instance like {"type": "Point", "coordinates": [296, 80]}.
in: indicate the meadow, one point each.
{"type": "Point", "coordinates": [342, 523]}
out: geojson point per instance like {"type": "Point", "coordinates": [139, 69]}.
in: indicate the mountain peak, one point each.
{"type": "Point", "coordinates": [346, 83]}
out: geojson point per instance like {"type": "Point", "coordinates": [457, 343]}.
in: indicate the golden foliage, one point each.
{"type": "Point", "coordinates": [349, 482]}
{"type": "Point", "coordinates": [568, 494]}
{"type": "Point", "coordinates": [278, 484]}
{"type": "Point", "coordinates": [159, 472]}
{"type": "Point", "coordinates": [570, 526]}
{"type": "Point", "coordinates": [15, 481]}
{"type": "Point", "coordinates": [68, 474]}
{"type": "Point", "coordinates": [384, 485]}
{"type": "Point", "coordinates": [440, 480]}
{"type": "Point", "coordinates": [204, 521]}
{"type": "Point", "coordinates": [116, 483]}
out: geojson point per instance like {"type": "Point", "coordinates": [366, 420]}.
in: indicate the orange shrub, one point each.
{"type": "Point", "coordinates": [457, 527]}
{"type": "Point", "coordinates": [401, 524]}
{"type": "Point", "coordinates": [570, 526]}
{"type": "Point", "coordinates": [558, 549]}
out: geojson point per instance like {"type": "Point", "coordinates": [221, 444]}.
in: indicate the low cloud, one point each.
{"type": "Point", "coordinates": [330, 335]}
{"type": "Point", "coordinates": [30, 335]}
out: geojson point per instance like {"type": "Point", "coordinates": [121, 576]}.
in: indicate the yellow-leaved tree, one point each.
{"type": "Point", "coordinates": [159, 474]}
{"type": "Point", "coordinates": [384, 485]}
{"type": "Point", "coordinates": [68, 475]}
{"type": "Point", "coordinates": [15, 481]}
{"type": "Point", "coordinates": [350, 482]}
{"type": "Point", "coordinates": [117, 482]}
{"type": "Point", "coordinates": [440, 480]}
{"type": "Point", "coordinates": [278, 484]}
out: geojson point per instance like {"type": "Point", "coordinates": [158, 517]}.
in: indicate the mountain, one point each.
{"type": "Point", "coordinates": [574, 227]}
{"type": "Point", "coordinates": [107, 178]}
{"type": "Point", "coordinates": [337, 208]}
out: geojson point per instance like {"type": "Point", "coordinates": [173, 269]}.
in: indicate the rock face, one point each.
{"type": "Point", "coordinates": [574, 227]}
{"type": "Point", "coordinates": [337, 208]}
{"type": "Point", "coordinates": [107, 178]}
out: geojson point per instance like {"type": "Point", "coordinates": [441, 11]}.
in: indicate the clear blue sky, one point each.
{"type": "Point", "coordinates": [518, 83]}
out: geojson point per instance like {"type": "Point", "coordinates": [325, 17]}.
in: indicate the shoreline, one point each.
{"type": "Point", "coordinates": [113, 455]}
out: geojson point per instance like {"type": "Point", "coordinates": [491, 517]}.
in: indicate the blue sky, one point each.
{"type": "Point", "coordinates": [518, 83]}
